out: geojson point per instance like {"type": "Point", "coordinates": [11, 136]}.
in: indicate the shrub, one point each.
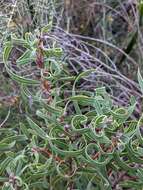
{"type": "Point", "coordinates": [71, 139]}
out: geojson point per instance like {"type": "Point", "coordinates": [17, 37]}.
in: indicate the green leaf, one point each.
{"type": "Point", "coordinates": [21, 79]}
{"type": "Point", "coordinates": [39, 131]}
{"type": "Point", "coordinates": [53, 52]}
{"type": "Point", "coordinates": [6, 52]}
{"type": "Point", "coordinates": [26, 58]}
{"type": "Point", "coordinates": [4, 164]}
{"type": "Point", "coordinates": [140, 80]}
{"type": "Point", "coordinates": [47, 28]}
{"type": "Point", "coordinates": [6, 147]}
{"type": "Point", "coordinates": [20, 42]}
{"type": "Point", "coordinates": [83, 74]}
{"type": "Point", "coordinates": [3, 179]}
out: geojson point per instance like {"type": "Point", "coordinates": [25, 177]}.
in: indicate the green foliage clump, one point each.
{"type": "Point", "coordinates": [70, 139]}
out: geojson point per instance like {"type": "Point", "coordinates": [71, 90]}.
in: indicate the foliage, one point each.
{"type": "Point", "coordinates": [69, 139]}
{"type": "Point", "coordinates": [109, 37]}
{"type": "Point", "coordinates": [68, 118]}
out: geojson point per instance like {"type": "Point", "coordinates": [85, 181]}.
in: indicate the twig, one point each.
{"type": "Point", "coordinates": [8, 114]}
{"type": "Point", "coordinates": [118, 180]}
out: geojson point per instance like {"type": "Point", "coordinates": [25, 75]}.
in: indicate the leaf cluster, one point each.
{"type": "Point", "coordinates": [71, 139]}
